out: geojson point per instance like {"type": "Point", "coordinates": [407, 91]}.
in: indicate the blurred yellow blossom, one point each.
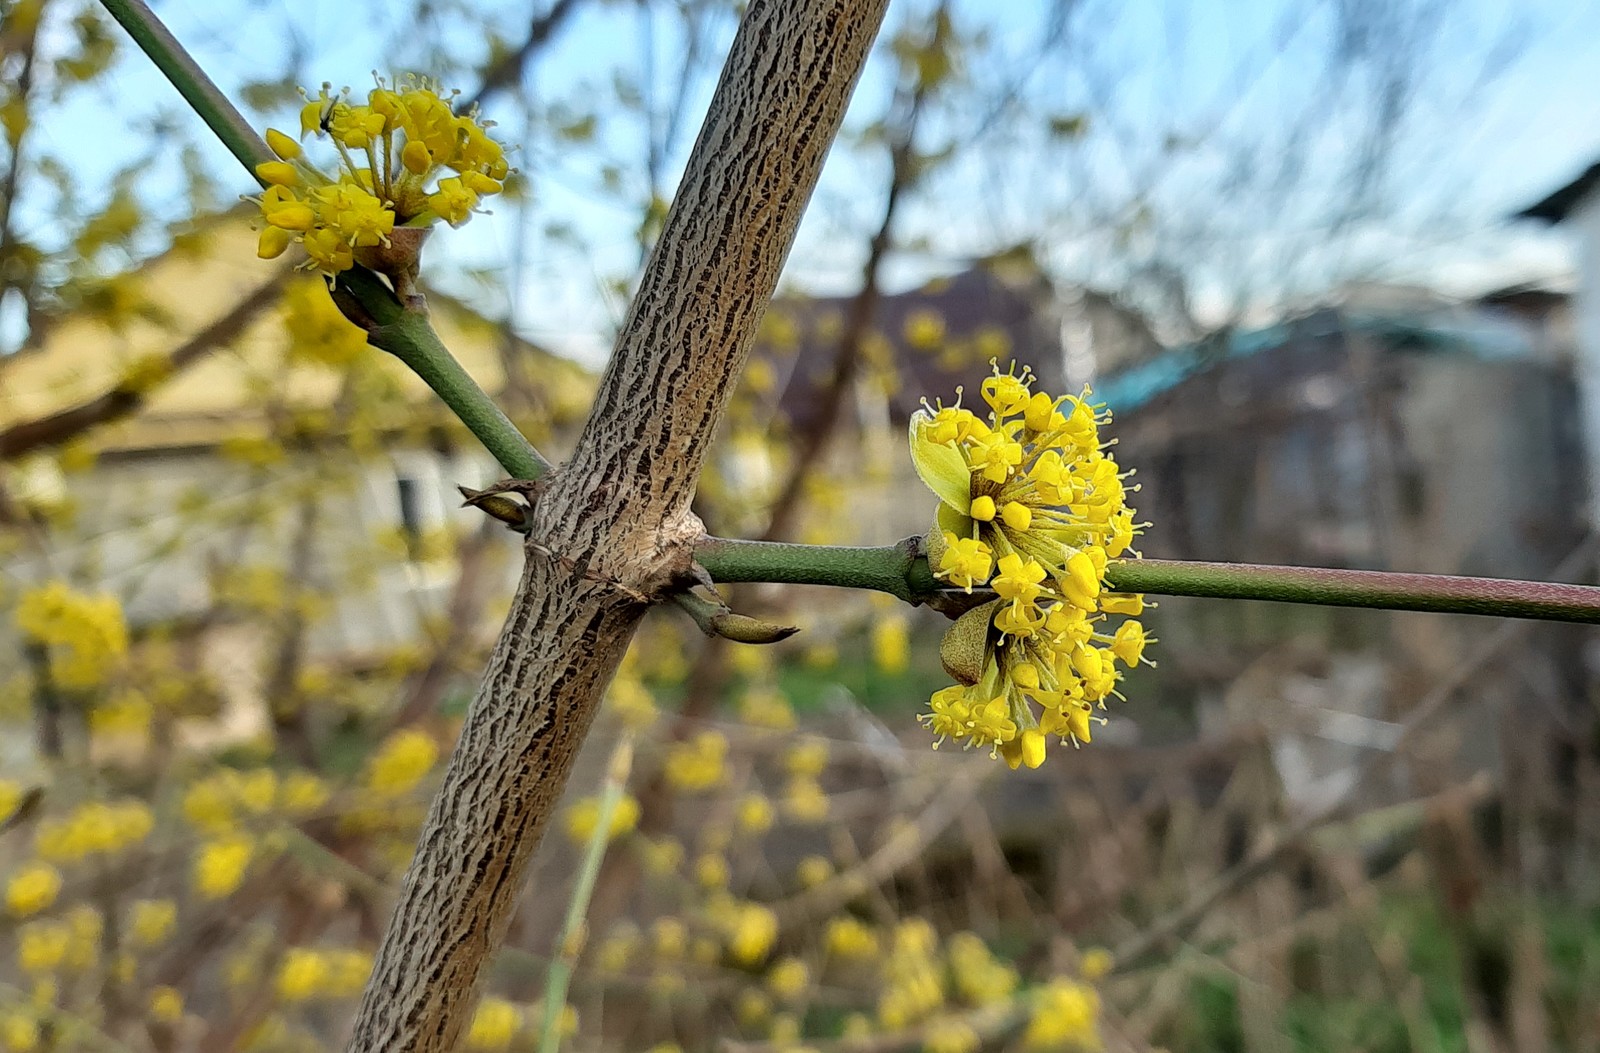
{"type": "Point", "coordinates": [166, 1004]}
{"type": "Point", "coordinates": [401, 762]}
{"type": "Point", "coordinates": [1065, 1014]}
{"type": "Point", "coordinates": [42, 945]}
{"type": "Point", "coordinates": [764, 707]}
{"type": "Point", "coordinates": [788, 979]}
{"type": "Point", "coordinates": [10, 798]}
{"type": "Point", "coordinates": [1095, 963]}
{"type": "Point", "coordinates": [808, 756]}
{"type": "Point", "coordinates": [20, 1031]}
{"type": "Point", "coordinates": [584, 815]}
{"type": "Point", "coordinates": [32, 888]}
{"type": "Point", "coordinates": [221, 864]}
{"type": "Point", "coordinates": [804, 801]}
{"type": "Point", "coordinates": [850, 939]}
{"type": "Point", "coordinates": [302, 974]}
{"type": "Point", "coordinates": [950, 1034]}
{"type": "Point", "coordinates": [697, 764]}
{"type": "Point", "coordinates": [85, 635]}
{"type": "Point", "coordinates": [494, 1024]}
{"type": "Point", "coordinates": [891, 642]}
{"type": "Point", "coordinates": [95, 827]}
{"type": "Point", "coordinates": [151, 920]}
{"type": "Point", "coordinates": [755, 814]}
{"type": "Point", "coordinates": [752, 929]}
{"type": "Point", "coordinates": [711, 871]}
{"type": "Point", "coordinates": [813, 870]}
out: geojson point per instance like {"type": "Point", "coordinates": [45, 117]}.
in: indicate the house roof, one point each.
{"type": "Point", "coordinates": [1450, 332]}
{"type": "Point", "coordinates": [1559, 203]}
{"type": "Point", "coordinates": [193, 286]}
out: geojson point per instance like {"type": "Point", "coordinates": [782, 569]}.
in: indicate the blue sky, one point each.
{"type": "Point", "coordinates": [1203, 76]}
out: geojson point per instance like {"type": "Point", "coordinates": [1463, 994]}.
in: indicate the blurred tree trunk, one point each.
{"type": "Point", "coordinates": [612, 531]}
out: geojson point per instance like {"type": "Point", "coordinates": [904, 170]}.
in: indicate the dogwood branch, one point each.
{"type": "Point", "coordinates": [901, 571]}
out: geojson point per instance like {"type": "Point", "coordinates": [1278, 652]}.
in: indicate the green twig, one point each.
{"type": "Point", "coordinates": [900, 571]}
{"type": "Point", "coordinates": [409, 337]}
{"type": "Point", "coordinates": [570, 944]}
{"type": "Point", "coordinates": [897, 569]}
{"type": "Point", "coordinates": [197, 89]}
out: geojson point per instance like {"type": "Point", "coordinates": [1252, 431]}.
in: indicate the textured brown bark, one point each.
{"type": "Point", "coordinates": [611, 529]}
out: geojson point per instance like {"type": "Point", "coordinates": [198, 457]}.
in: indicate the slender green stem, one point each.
{"type": "Point", "coordinates": [900, 571]}
{"type": "Point", "coordinates": [410, 338]}
{"type": "Point", "coordinates": [570, 944]}
{"type": "Point", "coordinates": [895, 569]}
{"type": "Point", "coordinates": [1383, 590]}
{"type": "Point", "coordinates": [197, 89]}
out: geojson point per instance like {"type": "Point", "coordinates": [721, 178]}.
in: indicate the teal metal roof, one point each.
{"type": "Point", "coordinates": [1479, 336]}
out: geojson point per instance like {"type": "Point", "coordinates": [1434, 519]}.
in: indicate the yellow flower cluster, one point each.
{"type": "Point", "coordinates": [307, 973]}
{"type": "Point", "coordinates": [394, 151]}
{"type": "Point", "coordinates": [317, 330]}
{"type": "Point", "coordinates": [1065, 1015]}
{"type": "Point", "coordinates": [402, 762]}
{"type": "Point", "coordinates": [94, 828]}
{"type": "Point", "coordinates": [215, 804]}
{"type": "Point", "coordinates": [85, 634]}
{"type": "Point", "coordinates": [698, 764]}
{"type": "Point", "coordinates": [584, 816]}
{"type": "Point", "coordinates": [1031, 506]}
{"type": "Point", "coordinates": [220, 866]}
{"type": "Point", "coordinates": [32, 888]}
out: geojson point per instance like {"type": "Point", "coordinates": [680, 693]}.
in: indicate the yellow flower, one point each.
{"type": "Point", "coordinates": [891, 643]}
{"type": "Point", "coordinates": [19, 1031]}
{"type": "Point", "coordinates": [42, 945]}
{"type": "Point", "coordinates": [302, 974]}
{"type": "Point", "coordinates": [697, 764]}
{"type": "Point", "coordinates": [1095, 963]}
{"type": "Point", "coordinates": [965, 561]}
{"type": "Point", "coordinates": [166, 1004]}
{"type": "Point", "coordinates": [711, 871]}
{"type": "Point", "coordinates": [32, 889]}
{"type": "Point", "coordinates": [812, 871]}
{"type": "Point", "coordinates": [950, 1034]}
{"type": "Point", "coordinates": [402, 762]}
{"type": "Point", "coordinates": [221, 865]}
{"type": "Point", "coordinates": [851, 940]}
{"type": "Point", "coordinates": [788, 979]}
{"type": "Point", "coordinates": [804, 801]}
{"type": "Point", "coordinates": [10, 798]}
{"type": "Point", "coordinates": [752, 929]}
{"type": "Point", "coordinates": [755, 814]}
{"type": "Point", "coordinates": [807, 757]}
{"type": "Point", "coordinates": [1065, 1014]}
{"type": "Point", "coordinates": [151, 921]}
{"type": "Point", "coordinates": [584, 816]}
{"type": "Point", "coordinates": [494, 1024]}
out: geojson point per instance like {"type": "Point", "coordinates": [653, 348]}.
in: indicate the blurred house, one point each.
{"type": "Point", "coordinates": [1396, 431]}
{"type": "Point", "coordinates": [220, 472]}
{"type": "Point", "coordinates": [1576, 206]}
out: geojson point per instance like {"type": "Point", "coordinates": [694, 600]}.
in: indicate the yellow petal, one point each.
{"type": "Point", "coordinates": [274, 241]}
